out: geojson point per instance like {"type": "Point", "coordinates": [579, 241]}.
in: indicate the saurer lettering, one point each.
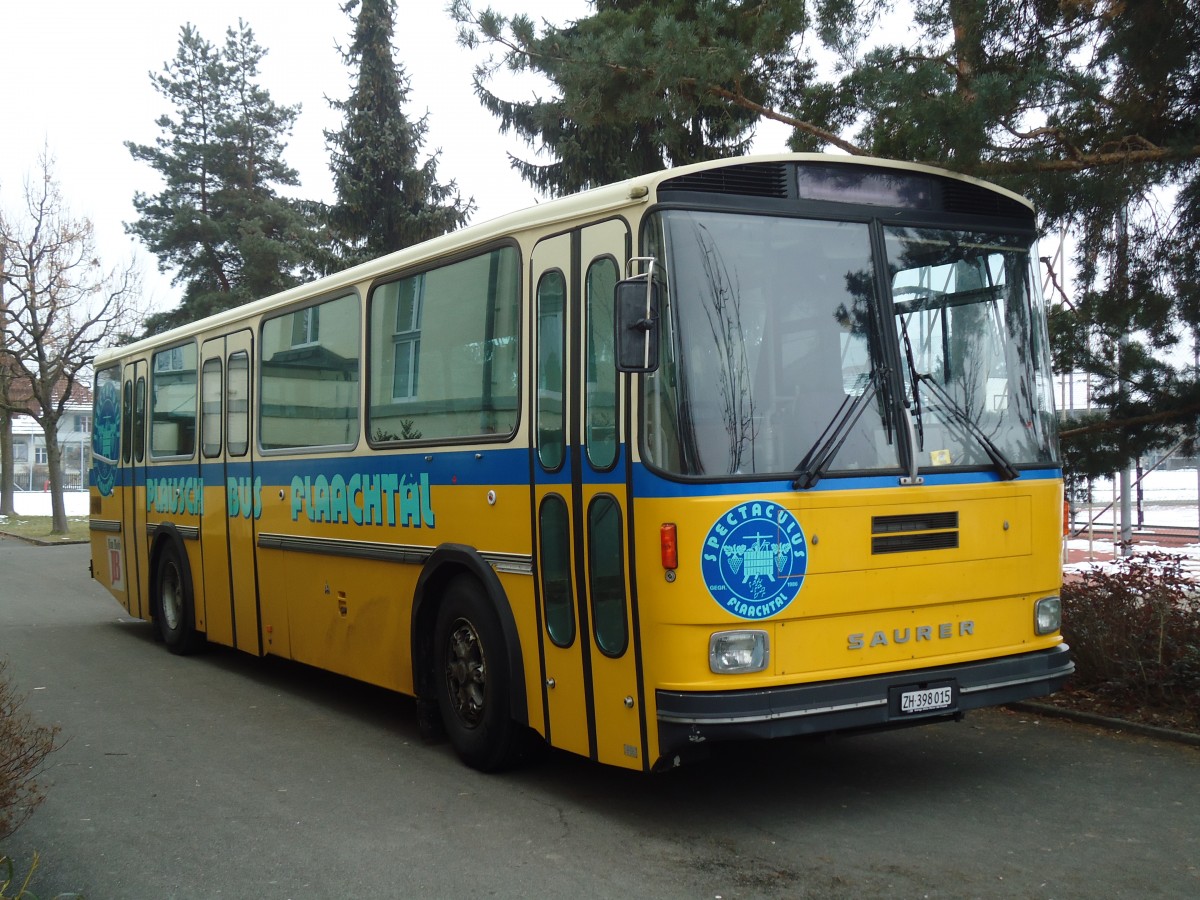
{"type": "Point", "coordinates": [944, 631]}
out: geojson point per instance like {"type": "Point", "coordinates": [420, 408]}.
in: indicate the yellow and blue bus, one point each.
{"type": "Point", "coordinates": [746, 449]}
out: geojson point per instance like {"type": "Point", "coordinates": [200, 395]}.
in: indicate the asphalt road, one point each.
{"type": "Point", "coordinates": [227, 776]}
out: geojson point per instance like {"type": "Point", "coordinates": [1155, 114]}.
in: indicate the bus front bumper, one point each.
{"type": "Point", "coordinates": [688, 719]}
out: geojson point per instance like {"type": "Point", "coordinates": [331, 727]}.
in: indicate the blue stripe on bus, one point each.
{"type": "Point", "coordinates": [511, 466]}
{"type": "Point", "coordinates": [648, 484]}
{"type": "Point", "coordinates": [486, 467]}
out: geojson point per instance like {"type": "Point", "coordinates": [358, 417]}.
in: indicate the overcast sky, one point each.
{"type": "Point", "coordinates": [76, 80]}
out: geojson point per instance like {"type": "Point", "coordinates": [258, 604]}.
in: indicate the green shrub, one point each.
{"type": "Point", "coordinates": [1134, 631]}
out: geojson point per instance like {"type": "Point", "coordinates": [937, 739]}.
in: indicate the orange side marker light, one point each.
{"type": "Point", "coordinates": [670, 546]}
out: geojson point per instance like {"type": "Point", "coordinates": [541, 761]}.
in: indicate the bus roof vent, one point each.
{"type": "Point", "coordinates": [971, 199]}
{"type": "Point", "coordinates": [748, 179]}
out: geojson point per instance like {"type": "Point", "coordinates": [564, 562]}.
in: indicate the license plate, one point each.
{"type": "Point", "coordinates": [926, 699]}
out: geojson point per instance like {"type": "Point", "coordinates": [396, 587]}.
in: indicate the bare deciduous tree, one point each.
{"type": "Point", "coordinates": [24, 746]}
{"type": "Point", "coordinates": [61, 305]}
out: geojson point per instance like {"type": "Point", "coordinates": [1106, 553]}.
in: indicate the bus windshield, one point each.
{"type": "Point", "coordinates": [775, 349]}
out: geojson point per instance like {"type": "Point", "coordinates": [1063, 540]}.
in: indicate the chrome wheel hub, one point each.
{"type": "Point", "coordinates": [466, 673]}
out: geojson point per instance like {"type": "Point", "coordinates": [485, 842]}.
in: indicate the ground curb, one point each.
{"type": "Point", "coordinates": [39, 542]}
{"type": "Point", "coordinates": [1086, 718]}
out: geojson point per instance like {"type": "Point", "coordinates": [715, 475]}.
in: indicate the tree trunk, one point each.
{"type": "Point", "coordinates": [966, 18]}
{"type": "Point", "coordinates": [54, 469]}
{"type": "Point", "coordinates": [7, 465]}
{"type": "Point", "coordinates": [7, 507]}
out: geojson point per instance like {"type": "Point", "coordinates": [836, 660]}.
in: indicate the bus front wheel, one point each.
{"type": "Point", "coordinates": [473, 680]}
{"type": "Point", "coordinates": [174, 609]}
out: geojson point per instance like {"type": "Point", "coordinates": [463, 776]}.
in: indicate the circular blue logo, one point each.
{"type": "Point", "coordinates": [754, 559]}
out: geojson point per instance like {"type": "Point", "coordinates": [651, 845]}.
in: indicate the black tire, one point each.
{"type": "Point", "coordinates": [473, 679]}
{"type": "Point", "coordinates": [174, 608]}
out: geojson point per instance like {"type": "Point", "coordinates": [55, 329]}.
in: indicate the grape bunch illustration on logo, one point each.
{"type": "Point", "coordinates": [754, 559]}
{"type": "Point", "coordinates": [106, 438]}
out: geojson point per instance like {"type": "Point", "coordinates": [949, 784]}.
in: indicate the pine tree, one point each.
{"type": "Point", "coordinates": [1090, 108]}
{"type": "Point", "coordinates": [218, 220]}
{"type": "Point", "coordinates": [640, 85]}
{"type": "Point", "coordinates": [387, 198]}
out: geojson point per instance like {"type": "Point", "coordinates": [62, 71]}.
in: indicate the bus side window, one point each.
{"type": "Point", "coordinates": [210, 409]}
{"type": "Point", "coordinates": [551, 379]}
{"type": "Point", "coordinates": [237, 405]}
{"type": "Point", "coordinates": [601, 408]}
{"type": "Point", "coordinates": [173, 402]}
{"type": "Point", "coordinates": [442, 351]}
{"type": "Point", "coordinates": [127, 423]}
{"type": "Point", "coordinates": [606, 575]}
{"type": "Point", "coordinates": [554, 529]}
{"type": "Point", "coordinates": [310, 376]}
{"type": "Point", "coordinates": [139, 421]}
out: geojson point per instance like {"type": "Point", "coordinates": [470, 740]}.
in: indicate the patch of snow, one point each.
{"type": "Point", "coordinates": [37, 503]}
{"type": "Point", "coordinates": [1170, 500]}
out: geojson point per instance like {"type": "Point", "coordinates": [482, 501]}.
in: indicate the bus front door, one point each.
{"type": "Point", "coordinates": [232, 498]}
{"type": "Point", "coordinates": [589, 653]}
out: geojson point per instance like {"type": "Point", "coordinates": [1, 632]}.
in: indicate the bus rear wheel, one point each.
{"type": "Point", "coordinates": [174, 608]}
{"type": "Point", "coordinates": [473, 679]}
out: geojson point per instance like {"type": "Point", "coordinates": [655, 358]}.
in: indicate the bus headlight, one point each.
{"type": "Point", "coordinates": [1047, 615]}
{"type": "Point", "coordinates": [738, 651]}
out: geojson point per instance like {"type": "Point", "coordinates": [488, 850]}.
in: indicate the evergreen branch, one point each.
{"type": "Point", "coordinates": [1054, 281]}
{"type": "Point", "coordinates": [739, 99]}
{"type": "Point", "coordinates": [1099, 159]}
{"type": "Point", "coordinates": [527, 55]}
{"type": "Point", "coordinates": [1119, 424]}
{"type": "Point", "coordinates": [899, 60]}
{"type": "Point", "coordinates": [1057, 134]}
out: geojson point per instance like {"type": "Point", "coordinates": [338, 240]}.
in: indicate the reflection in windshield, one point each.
{"type": "Point", "coordinates": [767, 335]}
{"type": "Point", "coordinates": [976, 361]}
{"type": "Point", "coordinates": [771, 332]}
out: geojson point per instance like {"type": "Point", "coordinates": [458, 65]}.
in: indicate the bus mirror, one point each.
{"type": "Point", "coordinates": [636, 306]}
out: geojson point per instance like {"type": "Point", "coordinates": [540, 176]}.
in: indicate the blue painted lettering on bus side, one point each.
{"type": "Point", "coordinates": [244, 497]}
{"type": "Point", "coordinates": [175, 496]}
{"type": "Point", "coordinates": [754, 559]}
{"type": "Point", "coordinates": [384, 499]}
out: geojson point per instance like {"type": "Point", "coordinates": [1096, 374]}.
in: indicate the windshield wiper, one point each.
{"type": "Point", "coordinates": [915, 379]}
{"type": "Point", "coordinates": [1005, 468]}
{"type": "Point", "coordinates": [820, 457]}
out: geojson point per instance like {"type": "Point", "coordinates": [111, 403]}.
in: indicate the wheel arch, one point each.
{"type": "Point", "coordinates": [166, 534]}
{"type": "Point", "coordinates": [447, 562]}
